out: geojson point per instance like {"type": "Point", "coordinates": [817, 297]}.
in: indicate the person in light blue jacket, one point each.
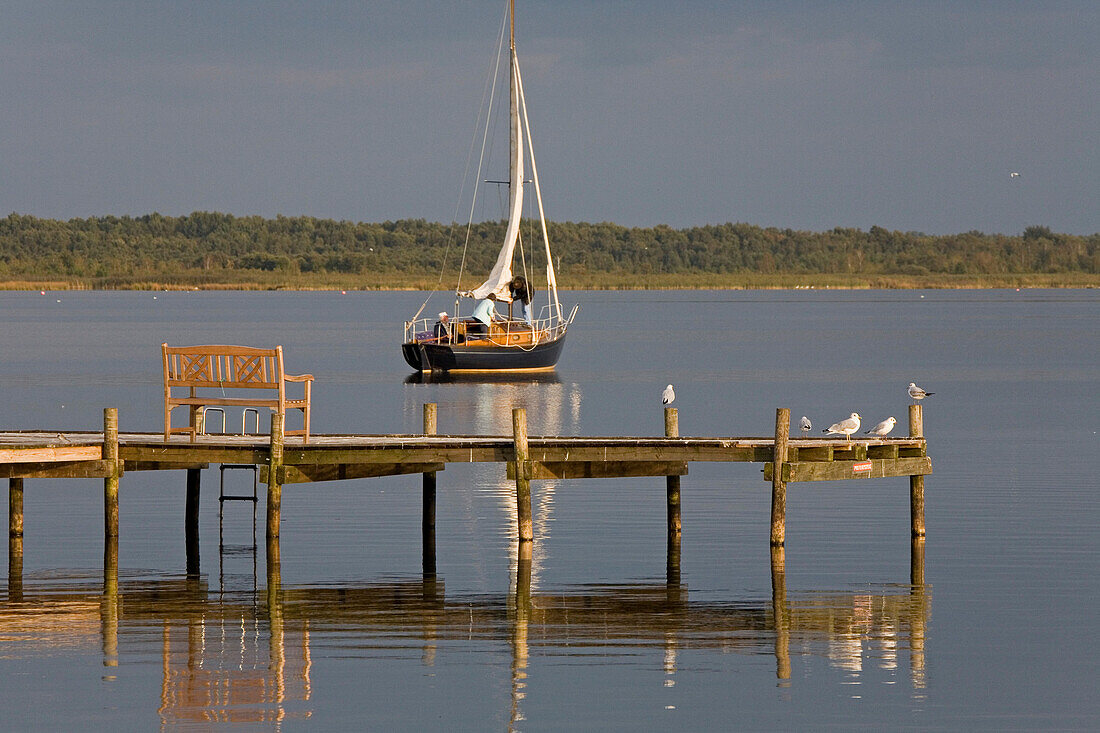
{"type": "Point", "coordinates": [484, 314]}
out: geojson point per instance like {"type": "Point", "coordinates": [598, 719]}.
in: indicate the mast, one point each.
{"type": "Point", "coordinates": [501, 275]}
{"type": "Point", "coordinates": [514, 157]}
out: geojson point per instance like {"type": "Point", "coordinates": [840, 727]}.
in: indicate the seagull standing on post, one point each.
{"type": "Point", "coordinates": [917, 393]}
{"type": "Point", "coordinates": [845, 427]}
{"type": "Point", "coordinates": [668, 395]}
{"type": "Point", "coordinates": [806, 425]}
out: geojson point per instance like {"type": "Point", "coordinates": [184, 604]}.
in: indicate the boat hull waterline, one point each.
{"type": "Point", "coordinates": [427, 357]}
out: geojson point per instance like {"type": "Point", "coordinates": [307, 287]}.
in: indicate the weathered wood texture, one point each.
{"type": "Point", "coordinates": [779, 486]}
{"type": "Point", "coordinates": [58, 469]}
{"type": "Point", "coordinates": [841, 470]}
{"type": "Point", "coordinates": [216, 367]}
{"type": "Point", "coordinates": [308, 473]}
{"type": "Point", "coordinates": [522, 469]}
{"type": "Point", "coordinates": [916, 482]}
{"type": "Point", "coordinates": [110, 482]}
{"type": "Point", "coordinates": [274, 487]}
{"type": "Point", "coordinates": [599, 469]}
{"type": "Point", "coordinates": [673, 519]}
{"type": "Point", "coordinates": [15, 507]}
{"type": "Point", "coordinates": [49, 454]}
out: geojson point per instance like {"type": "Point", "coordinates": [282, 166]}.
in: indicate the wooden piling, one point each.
{"type": "Point", "coordinates": [274, 479]}
{"type": "Point", "coordinates": [15, 507]}
{"type": "Point", "coordinates": [779, 486]}
{"type": "Point", "coordinates": [672, 483]}
{"type": "Point", "coordinates": [523, 469]}
{"type": "Point", "coordinates": [191, 520]}
{"type": "Point", "coordinates": [110, 482]}
{"type": "Point", "coordinates": [916, 483]}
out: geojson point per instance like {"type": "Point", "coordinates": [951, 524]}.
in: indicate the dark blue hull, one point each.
{"type": "Point", "coordinates": [463, 358]}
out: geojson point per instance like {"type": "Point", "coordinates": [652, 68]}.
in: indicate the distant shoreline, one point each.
{"type": "Point", "coordinates": [702, 281]}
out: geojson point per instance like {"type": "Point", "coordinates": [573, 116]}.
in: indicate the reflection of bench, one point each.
{"type": "Point", "coordinates": [228, 368]}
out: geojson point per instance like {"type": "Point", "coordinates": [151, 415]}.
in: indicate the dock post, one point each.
{"type": "Point", "coordinates": [672, 483]}
{"type": "Point", "coordinates": [916, 483]}
{"type": "Point", "coordinates": [15, 507]}
{"type": "Point", "coordinates": [427, 524]}
{"type": "Point", "coordinates": [779, 486]}
{"type": "Point", "coordinates": [191, 520]}
{"type": "Point", "coordinates": [523, 483]}
{"type": "Point", "coordinates": [110, 483]}
{"type": "Point", "coordinates": [274, 485]}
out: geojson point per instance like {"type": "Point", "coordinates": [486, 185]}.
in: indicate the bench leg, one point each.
{"type": "Point", "coordinates": [194, 421]}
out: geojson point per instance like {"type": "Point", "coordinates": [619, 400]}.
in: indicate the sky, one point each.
{"type": "Point", "coordinates": [807, 115]}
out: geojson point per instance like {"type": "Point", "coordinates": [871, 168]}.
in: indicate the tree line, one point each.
{"type": "Point", "coordinates": [209, 247]}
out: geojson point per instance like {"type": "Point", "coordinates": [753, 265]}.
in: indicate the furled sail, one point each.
{"type": "Point", "coordinates": [497, 282]}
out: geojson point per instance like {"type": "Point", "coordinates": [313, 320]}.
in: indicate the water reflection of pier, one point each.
{"type": "Point", "coordinates": [246, 656]}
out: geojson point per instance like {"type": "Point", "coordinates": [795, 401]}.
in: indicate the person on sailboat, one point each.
{"type": "Point", "coordinates": [442, 328]}
{"type": "Point", "coordinates": [483, 315]}
{"type": "Point", "coordinates": [521, 292]}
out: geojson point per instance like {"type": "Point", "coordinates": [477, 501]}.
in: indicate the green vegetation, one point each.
{"type": "Point", "coordinates": [212, 250]}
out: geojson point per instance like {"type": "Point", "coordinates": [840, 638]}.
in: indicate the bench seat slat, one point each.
{"type": "Point", "coordinates": [239, 401]}
{"type": "Point", "coordinates": [202, 384]}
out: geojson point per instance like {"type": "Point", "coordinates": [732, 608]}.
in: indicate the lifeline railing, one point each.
{"type": "Point", "coordinates": [547, 326]}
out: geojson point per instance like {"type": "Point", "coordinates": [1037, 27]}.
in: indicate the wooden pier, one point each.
{"type": "Point", "coordinates": [110, 454]}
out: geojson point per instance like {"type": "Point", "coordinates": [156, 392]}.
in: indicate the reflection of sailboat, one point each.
{"type": "Point", "coordinates": [485, 341]}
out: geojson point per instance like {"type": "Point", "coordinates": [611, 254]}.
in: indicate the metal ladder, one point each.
{"type": "Point", "coordinates": [224, 497]}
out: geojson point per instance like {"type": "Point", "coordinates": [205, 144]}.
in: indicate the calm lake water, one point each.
{"type": "Point", "coordinates": [594, 631]}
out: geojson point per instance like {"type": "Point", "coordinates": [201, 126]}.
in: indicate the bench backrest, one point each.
{"type": "Point", "coordinates": [230, 367]}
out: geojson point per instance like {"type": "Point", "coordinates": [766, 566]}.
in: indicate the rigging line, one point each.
{"type": "Point", "coordinates": [481, 159]}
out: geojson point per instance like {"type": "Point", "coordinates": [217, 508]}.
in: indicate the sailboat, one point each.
{"type": "Point", "coordinates": [487, 340]}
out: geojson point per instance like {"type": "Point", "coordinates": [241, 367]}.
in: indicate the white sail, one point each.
{"type": "Point", "coordinates": [497, 282]}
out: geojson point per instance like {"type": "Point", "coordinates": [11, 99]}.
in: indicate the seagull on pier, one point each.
{"type": "Point", "coordinates": [917, 393]}
{"type": "Point", "coordinates": [668, 395]}
{"type": "Point", "coordinates": [806, 425]}
{"type": "Point", "coordinates": [883, 428]}
{"type": "Point", "coordinates": [845, 427]}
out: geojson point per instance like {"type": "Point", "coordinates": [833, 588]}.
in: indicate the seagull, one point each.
{"type": "Point", "coordinates": [845, 427]}
{"type": "Point", "coordinates": [1013, 174]}
{"type": "Point", "coordinates": [668, 395]}
{"type": "Point", "coordinates": [883, 428]}
{"type": "Point", "coordinates": [806, 425]}
{"type": "Point", "coordinates": [917, 393]}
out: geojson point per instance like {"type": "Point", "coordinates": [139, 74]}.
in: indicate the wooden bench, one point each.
{"type": "Point", "coordinates": [224, 368]}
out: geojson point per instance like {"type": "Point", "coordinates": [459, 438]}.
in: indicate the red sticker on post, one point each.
{"type": "Point", "coordinates": [864, 467]}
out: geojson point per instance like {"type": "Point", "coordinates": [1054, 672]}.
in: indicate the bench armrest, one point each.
{"type": "Point", "coordinates": [298, 377]}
